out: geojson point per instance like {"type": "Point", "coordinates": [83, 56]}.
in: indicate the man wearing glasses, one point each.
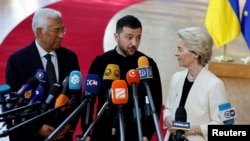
{"type": "Point", "coordinates": [49, 31]}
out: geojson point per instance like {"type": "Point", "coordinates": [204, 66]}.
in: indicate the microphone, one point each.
{"type": "Point", "coordinates": [119, 93]}
{"type": "Point", "coordinates": [75, 80]}
{"type": "Point", "coordinates": [54, 91]}
{"type": "Point", "coordinates": [119, 96]}
{"type": "Point", "coordinates": [41, 75]}
{"type": "Point", "coordinates": [146, 73]}
{"type": "Point", "coordinates": [180, 125]}
{"type": "Point", "coordinates": [6, 98]}
{"type": "Point", "coordinates": [227, 113]}
{"type": "Point", "coordinates": [25, 92]}
{"type": "Point", "coordinates": [111, 73]}
{"type": "Point", "coordinates": [91, 86]}
{"type": "Point", "coordinates": [133, 79]}
{"type": "Point", "coordinates": [63, 97]}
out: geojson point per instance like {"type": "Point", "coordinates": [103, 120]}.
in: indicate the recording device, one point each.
{"type": "Point", "coordinates": [227, 113]}
{"type": "Point", "coordinates": [180, 125]}
{"type": "Point", "coordinates": [146, 73]}
{"type": "Point", "coordinates": [133, 79]}
{"type": "Point", "coordinates": [25, 92]}
{"type": "Point", "coordinates": [91, 86]}
{"type": "Point", "coordinates": [119, 97]}
{"type": "Point", "coordinates": [54, 91]}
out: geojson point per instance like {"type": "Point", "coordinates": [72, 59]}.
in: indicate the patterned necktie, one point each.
{"type": "Point", "coordinates": [51, 74]}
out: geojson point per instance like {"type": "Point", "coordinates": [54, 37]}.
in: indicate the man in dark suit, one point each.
{"type": "Point", "coordinates": [49, 31]}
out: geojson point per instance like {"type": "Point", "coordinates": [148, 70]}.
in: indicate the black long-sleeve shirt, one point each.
{"type": "Point", "coordinates": [109, 119]}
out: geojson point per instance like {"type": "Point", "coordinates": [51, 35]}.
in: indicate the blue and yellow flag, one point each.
{"type": "Point", "coordinates": [222, 21]}
{"type": "Point", "coordinates": [245, 23]}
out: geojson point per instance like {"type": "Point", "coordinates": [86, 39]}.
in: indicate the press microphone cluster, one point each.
{"type": "Point", "coordinates": [91, 87]}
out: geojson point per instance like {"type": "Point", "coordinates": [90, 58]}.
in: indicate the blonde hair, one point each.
{"type": "Point", "coordinates": [199, 41]}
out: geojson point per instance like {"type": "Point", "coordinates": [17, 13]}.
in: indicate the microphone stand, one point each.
{"type": "Point", "coordinates": [134, 89]}
{"type": "Point", "coordinates": [121, 124]}
{"type": "Point", "coordinates": [20, 108]}
{"type": "Point", "coordinates": [6, 132]}
{"type": "Point", "coordinates": [94, 121]}
{"type": "Point", "coordinates": [72, 115]}
{"type": "Point", "coordinates": [155, 117]}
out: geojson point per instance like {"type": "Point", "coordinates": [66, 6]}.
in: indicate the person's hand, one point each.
{"type": "Point", "coordinates": [88, 138]}
{"type": "Point", "coordinates": [45, 130]}
{"type": "Point", "coordinates": [61, 134]}
{"type": "Point", "coordinates": [145, 138]}
{"type": "Point", "coordinates": [168, 124]}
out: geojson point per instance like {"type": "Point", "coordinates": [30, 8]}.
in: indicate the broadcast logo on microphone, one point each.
{"type": "Point", "coordinates": [119, 92]}
{"type": "Point", "coordinates": [144, 69]}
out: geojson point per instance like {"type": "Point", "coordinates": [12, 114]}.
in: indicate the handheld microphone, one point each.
{"type": "Point", "coordinates": [146, 73]}
{"type": "Point", "coordinates": [54, 91]}
{"type": "Point", "coordinates": [180, 125]}
{"type": "Point", "coordinates": [25, 92]}
{"type": "Point", "coordinates": [227, 113]}
{"type": "Point", "coordinates": [6, 98]}
{"type": "Point", "coordinates": [133, 79]}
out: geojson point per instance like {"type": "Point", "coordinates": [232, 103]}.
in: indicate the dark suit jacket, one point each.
{"type": "Point", "coordinates": [24, 63]}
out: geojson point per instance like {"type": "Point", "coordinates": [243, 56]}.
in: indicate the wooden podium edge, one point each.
{"type": "Point", "coordinates": [230, 69]}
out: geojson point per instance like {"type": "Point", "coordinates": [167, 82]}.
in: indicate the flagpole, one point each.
{"type": "Point", "coordinates": [224, 57]}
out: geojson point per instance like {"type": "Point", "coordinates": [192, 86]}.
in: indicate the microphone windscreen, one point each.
{"type": "Point", "coordinates": [56, 89]}
{"type": "Point", "coordinates": [119, 92]}
{"type": "Point", "coordinates": [181, 114]}
{"type": "Point", "coordinates": [133, 76]}
{"type": "Point", "coordinates": [26, 90]}
{"type": "Point", "coordinates": [61, 99]}
{"type": "Point", "coordinates": [65, 84]}
{"type": "Point", "coordinates": [37, 94]}
{"type": "Point", "coordinates": [41, 75]}
{"type": "Point", "coordinates": [92, 84]}
{"type": "Point", "coordinates": [112, 72]}
{"type": "Point", "coordinates": [143, 61]}
{"type": "Point", "coordinates": [5, 95]}
{"type": "Point", "coordinates": [75, 80]}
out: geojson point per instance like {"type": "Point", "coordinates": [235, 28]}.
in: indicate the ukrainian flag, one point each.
{"type": "Point", "coordinates": [222, 21]}
{"type": "Point", "coordinates": [245, 23]}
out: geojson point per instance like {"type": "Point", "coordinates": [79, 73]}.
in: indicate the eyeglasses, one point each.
{"type": "Point", "coordinates": [58, 31]}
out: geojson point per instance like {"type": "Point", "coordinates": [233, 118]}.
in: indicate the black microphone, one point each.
{"type": "Point", "coordinates": [146, 73]}
{"type": "Point", "coordinates": [180, 125]}
{"type": "Point", "coordinates": [54, 91]}
{"type": "Point", "coordinates": [133, 79]}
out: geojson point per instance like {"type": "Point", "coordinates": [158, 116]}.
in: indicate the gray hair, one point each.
{"type": "Point", "coordinates": [199, 41]}
{"type": "Point", "coordinates": [40, 18]}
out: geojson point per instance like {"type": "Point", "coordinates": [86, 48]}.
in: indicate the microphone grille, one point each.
{"type": "Point", "coordinates": [181, 114]}
{"type": "Point", "coordinates": [33, 82]}
{"type": "Point", "coordinates": [143, 61]}
{"type": "Point", "coordinates": [133, 76]}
